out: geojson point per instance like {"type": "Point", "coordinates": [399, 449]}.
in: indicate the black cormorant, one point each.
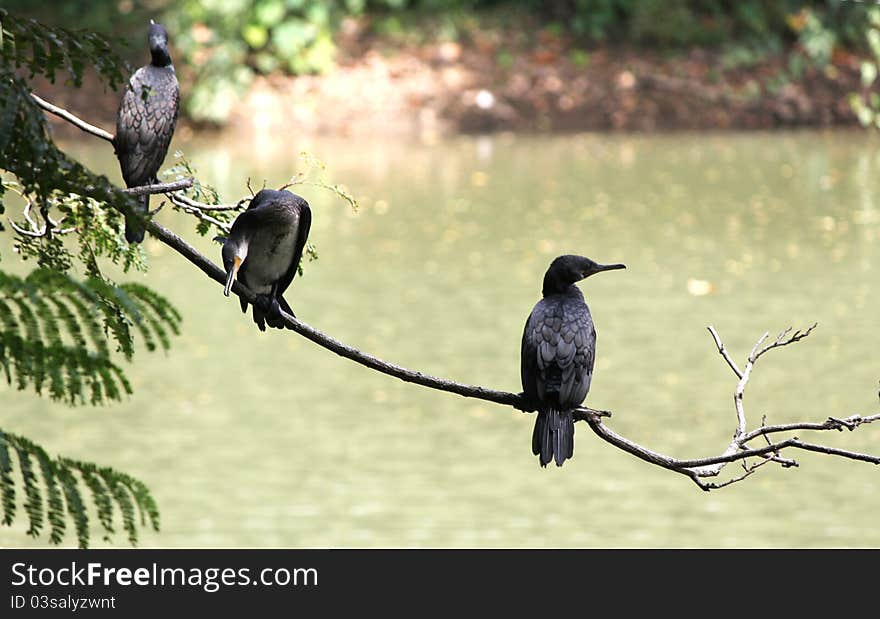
{"type": "Point", "coordinates": [558, 351]}
{"type": "Point", "coordinates": [145, 123]}
{"type": "Point", "coordinates": [264, 249]}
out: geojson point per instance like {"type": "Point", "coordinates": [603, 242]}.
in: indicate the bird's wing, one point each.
{"type": "Point", "coordinates": [247, 217]}
{"type": "Point", "coordinates": [145, 124]}
{"type": "Point", "coordinates": [579, 342]}
{"type": "Point", "coordinates": [302, 236]}
{"type": "Point", "coordinates": [558, 354]}
{"type": "Point", "coordinates": [529, 354]}
{"type": "Point", "coordinates": [129, 119]}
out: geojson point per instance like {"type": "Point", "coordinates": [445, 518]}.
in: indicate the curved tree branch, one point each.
{"type": "Point", "coordinates": [74, 120]}
{"type": "Point", "coordinates": [219, 275]}
{"type": "Point", "coordinates": [203, 206]}
{"type": "Point", "coordinates": [694, 468]}
{"type": "Point", "coordinates": [187, 205]}
{"type": "Point", "coordinates": [737, 450]}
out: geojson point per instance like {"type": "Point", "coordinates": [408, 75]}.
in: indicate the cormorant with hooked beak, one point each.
{"type": "Point", "coordinates": [558, 351]}
{"type": "Point", "coordinates": [264, 249]}
{"type": "Point", "coordinates": [145, 123]}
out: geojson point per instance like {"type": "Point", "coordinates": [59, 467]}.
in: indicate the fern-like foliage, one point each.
{"type": "Point", "coordinates": [60, 335]}
{"type": "Point", "coordinates": [52, 492]}
{"type": "Point", "coordinates": [54, 333]}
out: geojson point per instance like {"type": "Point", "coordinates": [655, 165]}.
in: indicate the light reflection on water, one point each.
{"type": "Point", "coordinates": [251, 439]}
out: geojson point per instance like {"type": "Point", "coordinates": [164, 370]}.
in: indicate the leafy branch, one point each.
{"type": "Point", "coordinates": [65, 325]}
{"type": "Point", "coordinates": [53, 494]}
{"type": "Point", "coordinates": [56, 331]}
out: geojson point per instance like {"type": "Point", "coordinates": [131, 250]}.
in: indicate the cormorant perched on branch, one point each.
{"type": "Point", "coordinates": [264, 249]}
{"type": "Point", "coordinates": [558, 351]}
{"type": "Point", "coordinates": [145, 123]}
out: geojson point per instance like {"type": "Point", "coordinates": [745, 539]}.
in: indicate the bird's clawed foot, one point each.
{"type": "Point", "coordinates": [524, 404]}
{"type": "Point", "coordinates": [271, 309]}
{"type": "Point", "coordinates": [268, 304]}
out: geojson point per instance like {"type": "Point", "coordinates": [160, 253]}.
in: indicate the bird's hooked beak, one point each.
{"type": "Point", "coordinates": [604, 267]}
{"type": "Point", "coordinates": [233, 273]}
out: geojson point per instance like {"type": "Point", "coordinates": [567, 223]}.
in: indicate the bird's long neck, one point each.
{"type": "Point", "coordinates": [240, 246]}
{"type": "Point", "coordinates": [555, 282]}
{"type": "Point", "coordinates": [160, 57]}
{"type": "Point", "coordinates": [562, 291]}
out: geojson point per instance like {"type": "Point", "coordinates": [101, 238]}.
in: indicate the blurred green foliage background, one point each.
{"type": "Point", "coordinates": [222, 44]}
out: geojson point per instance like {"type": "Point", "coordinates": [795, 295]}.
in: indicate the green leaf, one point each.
{"type": "Point", "coordinates": [291, 37]}
{"type": "Point", "coordinates": [255, 35]}
{"type": "Point", "coordinates": [269, 12]}
{"type": "Point", "coordinates": [869, 73]}
{"type": "Point", "coordinates": [873, 36]}
{"type": "Point", "coordinates": [57, 477]}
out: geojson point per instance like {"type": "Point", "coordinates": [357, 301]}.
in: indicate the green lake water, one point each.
{"type": "Point", "coordinates": [267, 440]}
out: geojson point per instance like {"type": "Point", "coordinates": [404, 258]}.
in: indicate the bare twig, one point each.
{"type": "Point", "coordinates": [738, 447]}
{"type": "Point", "coordinates": [748, 470]}
{"type": "Point", "coordinates": [183, 183]}
{"type": "Point", "coordinates": [832, 423]}
{"type": "Point", "coordinates": [36, 230]}
{"type": "Point", "coordinates": [781, 340]}
{"type": "Point", "coordinates": [198, 212]}
{"type": "Point", "coordinates": [723, 351]}
{"type": "Point", "coordinates": [74, 120]}
{"type": "Point", "coordinates": [204, 206]}
{"type": "Point", "coordinates": [41, 232]}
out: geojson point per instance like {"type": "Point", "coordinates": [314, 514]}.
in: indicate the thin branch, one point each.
{"type": "Point", "coordinates": [748, 470]}
{"type": "Point", "coordinates": [74, 120]}
{"type": "Point", "coordinates": [349, 352]}
{"type": "Point", "coordinates": [176, 200]}
{"type": "Point", "coordinates": [183, 183]}
{"type": "Point", "coordinates": [723, 351]}
{"type": "Point", "coordinates": [204, 206]}
{"type": "Point", "coordinates": [833, 451]}
{"type": "Point", "coordinates": [36, 233]}
{"type": "Point", "coordinates": [36, 230]}
{"type": "Point", "coordinates": [781, 340]}
{"type": "Point", "coordinates": [784, 462]}
{"type": "Point", "coordinates": [738, 449]}
{"type": "Point", "coordinates": [832, 423]}
{"type": "Point", "coordinates": [27, 215]}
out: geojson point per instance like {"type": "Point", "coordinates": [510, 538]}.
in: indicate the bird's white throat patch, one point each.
{"type": "Point", "coordinates": [242, 250]}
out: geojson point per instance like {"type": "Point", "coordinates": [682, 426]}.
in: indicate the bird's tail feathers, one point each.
{"type": "Point", "coordinates": [553, 437]}
{"type": "Point", "coordinates": [259, 319]}
{"type": "Point", "coordinates": [134, 229]}
{"type": "Point", "coordinates": [284, 306]}
{"type": "Point", "coordinates": [259, 316]}
{"type": "Point", "coordinates": [263, 318]}
{"type": "Point", "coordinates": [276, 322]}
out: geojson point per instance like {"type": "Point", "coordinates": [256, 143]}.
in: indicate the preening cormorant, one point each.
{"type": "Point", "coordinates": [264, 249]}
{"type": "Point", "coordinates": [558, 351]}
{"type": "Point", "coordinates": [145, 123]}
